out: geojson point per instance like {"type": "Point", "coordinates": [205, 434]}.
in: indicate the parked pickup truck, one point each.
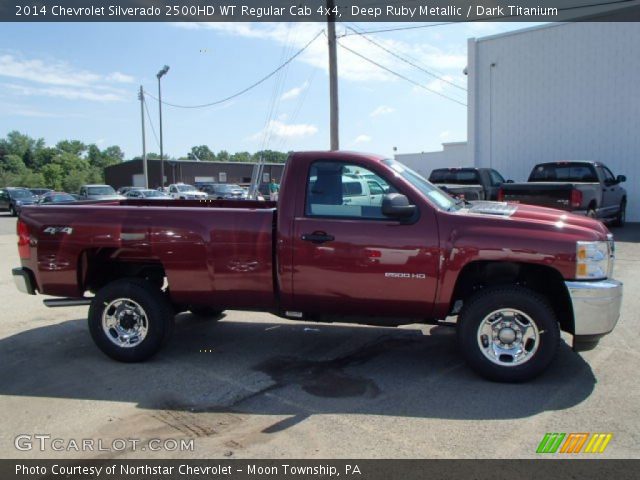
{"type": "Point", "coordinates": [512, 275]}
{"type": "Point", "coordinates": [585, 188]}
{"type": "Point", "coordinates": [468, 183]}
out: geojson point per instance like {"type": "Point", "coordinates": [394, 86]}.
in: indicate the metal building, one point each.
{"type": "Point", "coordinates": [560, 91]}
{"type": "Point", "coordinates": [187, 171]}
{"type": "Point", "coordinates": [566, 91]}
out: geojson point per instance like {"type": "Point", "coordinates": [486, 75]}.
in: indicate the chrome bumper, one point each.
{"type": "Point", "coordinates": [596, 306]}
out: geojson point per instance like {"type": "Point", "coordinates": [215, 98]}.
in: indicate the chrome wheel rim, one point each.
{"type": "Point", "coordinates": [125, 323]}
{"type": "Point", "coordinates": [508, 337]}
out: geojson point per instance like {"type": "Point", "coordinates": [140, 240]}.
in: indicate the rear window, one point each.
{"type": "Point", "coordinates": [563, 172]}
{"type": "Point", "coordinates": [462, 177]}
{"type": "Point", "coordinates": [103, 190]}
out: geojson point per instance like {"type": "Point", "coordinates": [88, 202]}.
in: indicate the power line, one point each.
{"type": "Point", "coordinates": [151, 123]}
{"type": "Point", "coordinates": [399, 75]}
{"type": "Point", "coordinates": [250, 87]}
{"type": "Point", "coordinates": [397, 29]}
{"type": "Point", "coordinates": [499, 17]}
{"type": "Point", "coordinates": [408, 62]}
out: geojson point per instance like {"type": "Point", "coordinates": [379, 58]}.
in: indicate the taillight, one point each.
{"type": "Point", "coordinates": [576, 198]}
{"type": "Point", "coordinates": [23, 240]}
{"type": "Point", "coordinates": [500, 195]}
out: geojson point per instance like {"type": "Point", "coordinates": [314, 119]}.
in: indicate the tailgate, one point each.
{"type": "Point", "coordinates": [552, 195]}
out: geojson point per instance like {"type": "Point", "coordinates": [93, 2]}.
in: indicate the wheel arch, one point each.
{"type": "Point", "coordinates": [542, 279]}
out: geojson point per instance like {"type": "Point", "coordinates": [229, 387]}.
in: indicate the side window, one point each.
{"type": "Point", "coordinates": [336, 189]}
{"type": "Point", "coordinates": [496, 178]}
{"type": "Point", "coordinates": [608, 176]}
{"type": "Point", "coordinates": [173, 189]}
{"type": "Point", "coordinates": [375, 188]}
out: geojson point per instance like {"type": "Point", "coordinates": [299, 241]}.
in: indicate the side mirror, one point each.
{"type": "Point", "coordinates": [509, 181]}
{"type": "Point", "coordinates": [396, 205]}
{"type": "Point", "coordinates": [621, 178]}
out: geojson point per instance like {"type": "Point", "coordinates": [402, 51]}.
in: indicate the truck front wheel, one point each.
{"type": "Point", "coordinates": [508, 334]}
{"type": "Point", "coordinates": [130, 320]}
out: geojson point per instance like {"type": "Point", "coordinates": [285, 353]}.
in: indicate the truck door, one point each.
{"type": "Point", "coordinates": [352, 260]}
{"type": "Point", "coordinates": [611, 192]}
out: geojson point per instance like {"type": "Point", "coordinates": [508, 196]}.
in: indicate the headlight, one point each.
{"type": "Point", "coordinates": [594, 260]}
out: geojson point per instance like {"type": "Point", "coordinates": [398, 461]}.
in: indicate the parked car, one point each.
{"type": "Point", "coordinates": [148, 194]}
{"type": "Point", "coordinates": [99, 192]}
{"type": "Point", "coordinates": [125, 190]}
{"type": "Point", "coordinates": [585, 188]}
{"type": "Point", "coordinates": [468, 182]}
{"type": "Point", "coordinates": [182, 191]}
{"type": "Point", "coordinates": [224, 191]}
{"type": "Point", "coordinates": [56, 198]}
{"type": "Point", "coordinates": [12, 199]}
{"type": "Point", "coordinates": [513, 277]}
{"type": "Point", "coordinates": [38, 192]}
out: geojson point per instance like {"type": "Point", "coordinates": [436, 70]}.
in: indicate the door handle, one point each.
{"type": "Point", "coordinates": [317, 237]}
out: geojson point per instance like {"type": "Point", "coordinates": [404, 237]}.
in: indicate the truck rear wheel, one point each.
{"type": "Point", "coordinates": [130, 320]}
{"type": "Point", "coordinates": [508, 334]}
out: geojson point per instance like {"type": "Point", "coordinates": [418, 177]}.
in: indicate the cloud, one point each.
{"type": "Point", "coordinates": [294, 92]}
{"type": "Point", "coordinates": [350, 66]}
{"type": "Point", "coordinates": [382, 110]}
{"type": "Point", "coordinates": [68, 93]}
{"type": "Point", "coordinates": [280, 129]}
{"type": "Point", "coordinates": [54, 72]}
{"type": "Point", "coordinates": [445, 135]}
{"type": "Point", "coordinates": [362, 139]}
{"type": "Point", "coordinates": [120, 78]}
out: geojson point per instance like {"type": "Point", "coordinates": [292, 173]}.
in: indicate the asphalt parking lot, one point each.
{"type": "Point", "coordinates": [256, 386]}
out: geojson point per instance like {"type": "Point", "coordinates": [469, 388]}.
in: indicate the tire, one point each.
{"type": "Point", "coordinates": [621, 218]}
{"type": "Point", "coordinates": [12, 211]}
{"type": "Point", "coordinates": [109, 320]}
{"type": "Point", "coordinates": [478, 325]}
{"type": "Point", "coordinates": [206, 312]}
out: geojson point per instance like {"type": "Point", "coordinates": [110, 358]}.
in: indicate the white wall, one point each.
{"type": "Point", "coordinates": [454, 154]}
{"type": "Point", "coordinates": [561, 92]}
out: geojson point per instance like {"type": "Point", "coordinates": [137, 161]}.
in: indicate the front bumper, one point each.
{"type": "Point", "coordinates": [596, 309]}
{"type": "Point", "coordinates": [24, 281]}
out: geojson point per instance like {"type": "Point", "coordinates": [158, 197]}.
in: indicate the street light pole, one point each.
{"type": "Point", "coordinates": [333, 76]}
{"type": "Point", "coordinates": [144, 145]}
{"type": "Point", "coordinates": [160, 74]}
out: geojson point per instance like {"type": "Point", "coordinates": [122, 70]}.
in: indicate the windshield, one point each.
{"type": "Point", "coordinates": [61, 198]}
{"type": "Point", "coordinates": [433, 193]}
{"type": "Point", "coordinates": [186, 188]}
{"type": "Point", "coordinates": [152, 193]}
{"type": "Point", "coordinates": [102, 190]}
{"type": "Point", "coordinates": [20, 194]}
{"type": "Point", "coordinates": [455, 176]}
{"type": "Point", "coordinates": [564, 172]}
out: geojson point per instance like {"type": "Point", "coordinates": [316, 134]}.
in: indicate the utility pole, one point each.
{"type": "Point", "coordinates": [333, 75]}
{"type": "Point", "coordinates": [144, 146]}
{"type": "Point", "coordinates": [160, 74]}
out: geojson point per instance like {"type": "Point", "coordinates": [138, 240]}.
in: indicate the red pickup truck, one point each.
{"type": "Point", "coordinates": [512, 275]}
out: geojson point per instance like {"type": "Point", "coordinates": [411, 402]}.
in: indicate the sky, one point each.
{"type": "Point", "coordinates": [81, 81]}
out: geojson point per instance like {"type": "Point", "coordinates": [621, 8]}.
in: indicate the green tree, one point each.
{"type": "Point", "coordinates": [241, 157]}
{"type": "Point", "coordinates": [223, 156]}
{"type": "Point", "coordinates": [75, 147]}
{"type": "Point", "coordinates": [203, 153]}
{"type": "Point", "coordinates": [53, 175]}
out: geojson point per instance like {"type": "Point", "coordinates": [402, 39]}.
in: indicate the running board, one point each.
{"type": "Point", "coordinates": [66, 302]}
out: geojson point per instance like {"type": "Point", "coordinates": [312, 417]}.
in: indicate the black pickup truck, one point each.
{"type": "Point", "coordinates": [468, 183]}
{"type": "Point", "coordinates": [587, 188]}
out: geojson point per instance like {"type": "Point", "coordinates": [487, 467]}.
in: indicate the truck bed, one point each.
{"type": "Point", "coordinates": [220, 248]}
{"type": "Point", "coordinates": [545, 194]}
